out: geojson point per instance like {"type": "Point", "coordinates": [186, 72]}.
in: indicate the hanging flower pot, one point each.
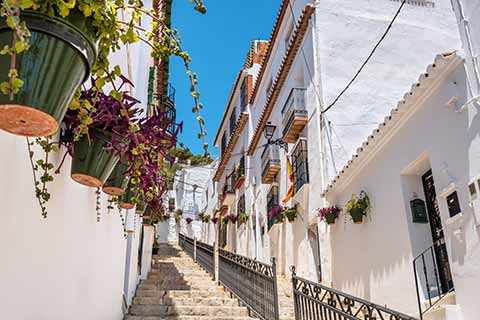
{"type": "Point", "coordinates": [92, 161]}
{"type": "Point", "coordinates": [117, 181]}
{"type": "Point", "coordinates": [358, 207]}
{"type": "Point", "coordinates": [290, 213]}
{"type": "Point", "coordinates": [329, 215]}
{"type": "Point", "coordinates": [127, 200]}
{"type": "Point", "coordinates": [140, 208]}
{"type": "Point", "coordinates": [59, 60]}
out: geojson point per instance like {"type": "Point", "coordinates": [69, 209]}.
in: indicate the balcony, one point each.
{"type": "Point", "coordinates": [229, 190]}
{"type": "Point", "coordinates": [295, 115]}
{"type": "Point", "coordinates": [240, 174]}
{"type": "Point", "coordinates": [270, 164]}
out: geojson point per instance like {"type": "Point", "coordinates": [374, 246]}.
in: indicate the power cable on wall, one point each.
{"type": "Point", "coordinates": [368, 58]}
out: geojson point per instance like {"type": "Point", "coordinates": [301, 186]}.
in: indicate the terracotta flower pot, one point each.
{"type": "Point", "coordinates": [116, 182]}
{"type": "Point", "coordinates": [61, 55]}
{"type": "Point", "coordinates": [126, 199]}
{"type": "Point", "coordinates": [92, 163]}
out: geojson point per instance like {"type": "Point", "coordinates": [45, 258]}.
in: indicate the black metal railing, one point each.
{"type": "Point", "coordinates": [187, 244]}
{"type": "Point", "coordinates": [295, 106]}
{"type": "Point", "coordinates": [270, 157]}
{"type": "Point", "coordinates": [432, 278]}
{"type": "Point", "coordinates": [205, 257]}
{"type": "Point", "coordinates": [229, 186]}
{"type": "Point", "coordinates": [313, 301]}
{"type": "Point", "coordinates": [233, 122]}
{"type": "Point", "coordinates": [251, 281]}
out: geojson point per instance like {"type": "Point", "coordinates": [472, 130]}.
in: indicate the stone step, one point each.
{"type": "Point", "coordinates": [178, 287]}
{"type": "Point", "coordinates": [158, 310]}
{"type": "Point", "coordinates": [183, 294]}
{"type": "Point", "coordinates": [180, 276]}
{"type": "Point", "coordinates": [187, 301]}
{"type": "Point", "coordinates": [161, 281]}
{"type": "Point", "coordinates": [129, 317]}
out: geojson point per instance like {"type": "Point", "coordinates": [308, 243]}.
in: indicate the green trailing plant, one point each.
{"type": "Point", "coordinates": [291, 213]}
{"type": "Point", "coordinates": [41, 169]}
{"type": "Point", "coordinates": [358, 206]}
{"type": "Point", "coordinates": [113, 31]}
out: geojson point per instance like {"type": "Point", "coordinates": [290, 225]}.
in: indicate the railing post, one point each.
{"type": "Point", "coordinates": [294, 282]}
{"type": "Point", "coordinates": [216, 263]}
{"type": "Point", "coordinates": [275, 289]}
{"type": "Point", "coordinates": [195, 249]}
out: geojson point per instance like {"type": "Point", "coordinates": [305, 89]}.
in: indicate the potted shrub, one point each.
{"type": "Point", "coordinates": [155, 247]}
{"type": "Point", "coordinates": [329, 214]}
{"type": "Point", "coordinates": [224, 220]}
{"type": "Point", "coordinates": [275, 215]}
{"type": "Point", "coordinates": [214, 220]}
{"type": "Point", "coordinates": [243, 217]}
{"type": "Point", "coordinates": [358, 207]}
{"type": "Point", "coordinates": [290, 213]}
{"type": "Point", "coordinates": [189, 220]}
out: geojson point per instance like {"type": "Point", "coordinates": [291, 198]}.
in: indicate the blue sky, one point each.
{"type": "Point", "coordinates": [218, 43]}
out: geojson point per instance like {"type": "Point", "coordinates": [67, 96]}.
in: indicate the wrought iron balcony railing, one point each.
{"type": "Point", "coordinates": [270, 163]}
{"type": "Point", "coordinates": [295, 115]}
{"type": "Point", "coordinates": [229, 188]}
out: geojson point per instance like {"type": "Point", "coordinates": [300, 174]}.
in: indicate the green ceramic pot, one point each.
{"type": "Point", "coordinates": [116, 182]}
{"type": "Point", "coordinates": [92, 163]}
{"type": "Point", "coordinates": [126, 201]}
{"type": "Point", "coordinates": [61, 55]}
{"type": "Point", "coordinates": [357, 215]}
{"type": "Point", "coordinates": [330, 218]}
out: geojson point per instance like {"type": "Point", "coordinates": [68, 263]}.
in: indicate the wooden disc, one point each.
{"type": "Point", "coordinates": [87, 180]}
{"type": "Point", "coordinates": [127, 206]}
{"type": "Point", "coordinates": [113, 191]}
{"type": "Point", "coordinates": [26, 121]}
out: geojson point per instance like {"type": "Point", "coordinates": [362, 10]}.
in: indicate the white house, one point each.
{"type": "Point", "coordinates": [314, 51]}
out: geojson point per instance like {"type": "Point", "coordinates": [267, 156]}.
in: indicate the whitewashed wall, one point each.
{"type": "Point", "coordinates": [374, 260]}
{"type": "Point", "coordinates": [67, 266]}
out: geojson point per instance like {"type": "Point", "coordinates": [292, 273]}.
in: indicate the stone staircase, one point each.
{"type": "Point", "coordinates": [177, 288]}
{"type": "Point", "coordinates": [285, 298]}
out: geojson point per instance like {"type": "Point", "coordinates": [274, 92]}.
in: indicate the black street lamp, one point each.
{"type": "Point", "coordinates": [269, 130]}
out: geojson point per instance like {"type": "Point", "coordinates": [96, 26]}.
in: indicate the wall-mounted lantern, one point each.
{"type": "Point", "coordinates": [419, 210]}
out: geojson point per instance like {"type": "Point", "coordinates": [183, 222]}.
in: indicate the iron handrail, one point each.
{"type": "Point", "coordinates": [441, 293]}
{"type": "Point", "coordinates": [336, 302]}
{"type": "Point", "coordinates": [251, 281]}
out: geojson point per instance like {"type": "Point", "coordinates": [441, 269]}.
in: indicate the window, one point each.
{"type": "Point", "coordinates": [272, 202]}
{"type": "Point", "coordinates": [300, 164]}
{"type": "Point", "coordinates": [224, 143]}
{"type": "Point", "coordinates": [473, 191]}
{"type": "Point", "coordinates": [244, 95]}
{"type": "Point", "coordinates": [240, 208]}
{"type": "Point", "coordinates": [453, 204]}
{"type": "Point", "coordinates": [233, 121]}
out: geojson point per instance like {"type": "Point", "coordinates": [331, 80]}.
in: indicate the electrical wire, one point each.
{"type": "Point", "coordinates": [368, 58]}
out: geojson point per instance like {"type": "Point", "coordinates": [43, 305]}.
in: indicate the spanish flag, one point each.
{"type": "Point", "coordinates": [290, 178]}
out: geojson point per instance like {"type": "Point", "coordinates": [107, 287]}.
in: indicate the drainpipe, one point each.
{"type": "Point", "coordinates": [320, 127]}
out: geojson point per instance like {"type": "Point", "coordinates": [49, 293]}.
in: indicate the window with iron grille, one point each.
{"type": "Point", "coordinates": [299, 159]}
{"type": "Point", "coordinates": [224, 143]}
{"type": "Point", "coordinates": [240, 207]}
{"type": "Point", "coordinates": [233, 121]}
{"type": "Point", "coordinates": [272, 198]}
{"type": "Point", "coordinates": [243, 95]}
